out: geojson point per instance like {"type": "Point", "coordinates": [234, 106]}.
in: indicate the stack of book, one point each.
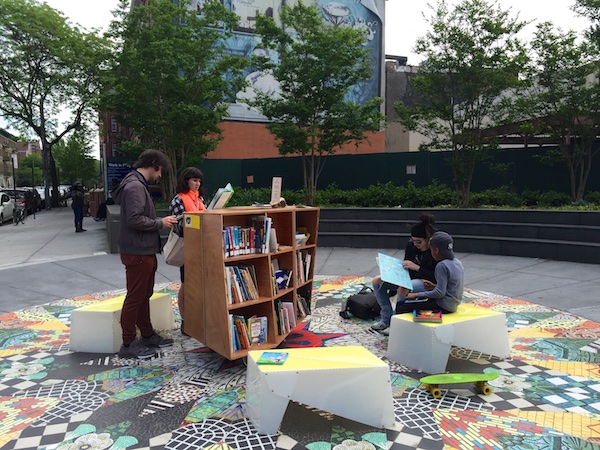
{"type": "Point", "coordinates": [427, 315]}
{"type": "Point", "coordinates": [247, 332]}
{"type": "Point", "coordinates": [241, 283]}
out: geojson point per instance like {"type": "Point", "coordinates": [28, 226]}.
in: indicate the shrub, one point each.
{"type": "Point", "coordinates": [593, 197]}
{"type": "Point", "coordinates": [503, 196]}
{"type": "Point", "coordinates": [387, 195]}
{"type": "Point", "coordinates": [554, 199]}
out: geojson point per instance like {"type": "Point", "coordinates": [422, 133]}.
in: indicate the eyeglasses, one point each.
{"type": "Point", "coordinates": [416, 241]}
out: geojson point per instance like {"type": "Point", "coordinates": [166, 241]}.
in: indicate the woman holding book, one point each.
{"type": "Point", "coordinates": [188, 199]}
{"type": "Point", "coordinates": [420, 265]}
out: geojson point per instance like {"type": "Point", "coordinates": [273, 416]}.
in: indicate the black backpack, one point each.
{"type": "Point", "coordinates": [362, 305]}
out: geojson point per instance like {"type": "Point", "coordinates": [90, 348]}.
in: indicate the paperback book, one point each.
{"type": "Point", "coordinates": [272, 358]}
{"type": "Point", "coordinates": [391, 270]}
{"type": "Point", "coordinates": [427, 315]}
{"type": "Point", "coordinates": [221, 197]}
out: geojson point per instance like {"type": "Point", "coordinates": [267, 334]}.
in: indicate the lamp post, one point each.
{"type": "Point", "coordinates": [14, 156]}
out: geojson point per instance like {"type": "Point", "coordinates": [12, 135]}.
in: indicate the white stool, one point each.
{"type": "Point", "coordinates": [96, 328]}
{"type": "Point", "coordinates": [426, 346]}
{"type": "Point", "coordinates": [348, 381]}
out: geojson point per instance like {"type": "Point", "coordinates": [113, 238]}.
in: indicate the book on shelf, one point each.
{"type": "Point", "coordinates": [257, 224]}
{"type": "Point", "coordinates": [392, 271]}
{"type": "Point", "coordinates": [221, 197]}
{"type": "Point", "coordinates": [305, 304]}
{"type": "Point", "coordinates": [273, 240]}
{"type": "Point", "coordinates": [300, 266]}
{"type": "Point", "coordinates": [242, 331]}
{"type": "Point", "coordinates": [301, 311]}
{"type": "Point", "coordinates": [427, 315]}
{"type": "Point", "coordinates": [235, 340]}
{"type": "Point", "coordinates": [291, 317]}
{"type": "Point", "coordinates": [307, 262]}
{"type": "Point", "coordinates": [266, 244]}
{"type": "Point", "coordinates": [272, 358]}
{"type": "Point", "coordinates": [257, 329]}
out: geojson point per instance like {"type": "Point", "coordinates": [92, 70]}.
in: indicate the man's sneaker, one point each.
{"type": "Point", "coordinates": [156, 340]}
{"type": "Point", "coordinates": [378, 326]}
{"type": "Point", "coordinates": [136, 350]}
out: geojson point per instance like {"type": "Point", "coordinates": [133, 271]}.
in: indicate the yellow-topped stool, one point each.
{"type": "Point", "coordinates": [96, 328]}
{"type": "Point", "coordinates": [350, 382]}
{"type": "Point", "coordinates": [426, 346]}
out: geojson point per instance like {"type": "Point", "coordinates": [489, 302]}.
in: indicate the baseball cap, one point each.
{"type": "Point", "coordinates": [444, 243]}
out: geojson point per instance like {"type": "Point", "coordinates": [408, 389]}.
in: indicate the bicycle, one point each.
{"type": "Point", "coordinates": [20, 214]}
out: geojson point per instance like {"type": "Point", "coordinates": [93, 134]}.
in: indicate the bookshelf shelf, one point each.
{"type": "Point", "coordinates": [228, 282]}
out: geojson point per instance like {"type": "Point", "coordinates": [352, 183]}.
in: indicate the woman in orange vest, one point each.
{"type": "Point", "coordinates": [188, 199]}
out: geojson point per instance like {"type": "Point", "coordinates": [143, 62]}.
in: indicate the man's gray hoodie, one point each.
{"type": "Point", "coordinates": [138, 227]}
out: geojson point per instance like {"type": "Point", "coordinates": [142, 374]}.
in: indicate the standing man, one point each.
{"type": "Point", "coordinates": [139, 242]}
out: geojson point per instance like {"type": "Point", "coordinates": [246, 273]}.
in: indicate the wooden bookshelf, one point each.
{"type": "Point", "coordinates": [208, 303]}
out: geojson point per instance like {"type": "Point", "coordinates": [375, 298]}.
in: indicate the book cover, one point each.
{"type": "Point", "coordinates": [427, 315]}
{"type": "Point", "coordinates": [289, 307]}
{"type": "Point", "coordinates": [391, 271]}
{"type": "Point", "coordinates": [221, 197]}
{"type": "Point", "coordinates": [272, 358]}
{"type": "Point", "coordinates": [255, 327]}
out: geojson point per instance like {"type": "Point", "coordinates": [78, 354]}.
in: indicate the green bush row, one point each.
{"type": "Point", "coordinates": [410, 196]}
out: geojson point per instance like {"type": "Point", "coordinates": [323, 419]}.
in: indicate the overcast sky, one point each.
{"type": "Point", "coordinates": [404, 18]}
{"type": "Point", "coordinates": [405, 21]}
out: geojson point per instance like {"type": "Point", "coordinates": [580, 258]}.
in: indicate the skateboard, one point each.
{"type": "Point", "coordinates": [432, 382]}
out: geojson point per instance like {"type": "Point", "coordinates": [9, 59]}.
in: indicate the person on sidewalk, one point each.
{"type": "Point", "coordinates": [77, 201]}
{"type": "Point", "coordinates": [139, 242]}
{"type": "Point", "coordinates": [188, 199]}
{"type": "Point", "coordinates": [420, 265]}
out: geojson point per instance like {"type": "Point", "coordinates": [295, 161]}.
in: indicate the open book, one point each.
{"type": "Point", "coordinates": [221, 197]}
{"type": "Point", "coordinates": [391, 270]}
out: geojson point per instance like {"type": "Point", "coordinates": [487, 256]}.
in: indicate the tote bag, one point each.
{"type": "Point", "coordinates": [173, 249]}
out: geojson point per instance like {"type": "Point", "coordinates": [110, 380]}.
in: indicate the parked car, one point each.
{"type": "Point", "coordinates": [7, 207]}
{"type": "Point", "coordinates": [21, 195]}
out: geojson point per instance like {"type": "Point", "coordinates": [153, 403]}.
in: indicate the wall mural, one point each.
{"type": "Point", "coordinates": [364, 14]}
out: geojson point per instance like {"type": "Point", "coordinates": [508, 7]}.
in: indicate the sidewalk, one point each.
{"type": "Point", "coordinates": [45, 260]}
{"type": "Point", "coordinates": [189, 397]}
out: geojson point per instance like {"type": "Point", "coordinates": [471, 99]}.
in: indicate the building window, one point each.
{"type": "Point", "coordinates": [411, 169]}
{"type": "Point", "coordinates": [114, 126]}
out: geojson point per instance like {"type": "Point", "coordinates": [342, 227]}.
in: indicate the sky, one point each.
{"type": "Point", "coordinates": [404, 19]}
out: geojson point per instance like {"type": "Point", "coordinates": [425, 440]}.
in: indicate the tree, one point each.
{"type": "Point", "coordinates": [29, 172]}
{"type": "Point", "coordinates": [318, 65]}
{"type": "Point", "coordinates": [170, 78]}
{"type": "Point", "coordinates": [472, 57]}
{"type": "Point", "coordinates": [561, 100]}
{"type": "Point", "coordinates": [75, 160]}
{"type": "Point", "coordinates": [48, 68]}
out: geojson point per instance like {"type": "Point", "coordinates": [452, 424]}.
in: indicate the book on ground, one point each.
{"type": "Point", "coordinates": [427, 315]}
{"type": "Point", "coordinates": [272, 358]}
{"type": "Point", "coordinates": [391, 271]}
{"type": "Point", "coordinates": [221, 197]}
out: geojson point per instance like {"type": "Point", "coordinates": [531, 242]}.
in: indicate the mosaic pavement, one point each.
{"type": "Point", "coordinates": [546, 397]}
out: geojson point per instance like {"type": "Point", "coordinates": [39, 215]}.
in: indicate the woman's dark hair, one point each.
{"type": "Point", "coordinates": [186, 174]}
{"type": "Point", "coordinates": [424, 227]}
{"type": "Point", "coordinates": [153, 158]}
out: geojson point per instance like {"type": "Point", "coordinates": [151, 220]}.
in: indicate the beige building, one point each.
{"type": "Point", "coordinates": [8, 151]}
